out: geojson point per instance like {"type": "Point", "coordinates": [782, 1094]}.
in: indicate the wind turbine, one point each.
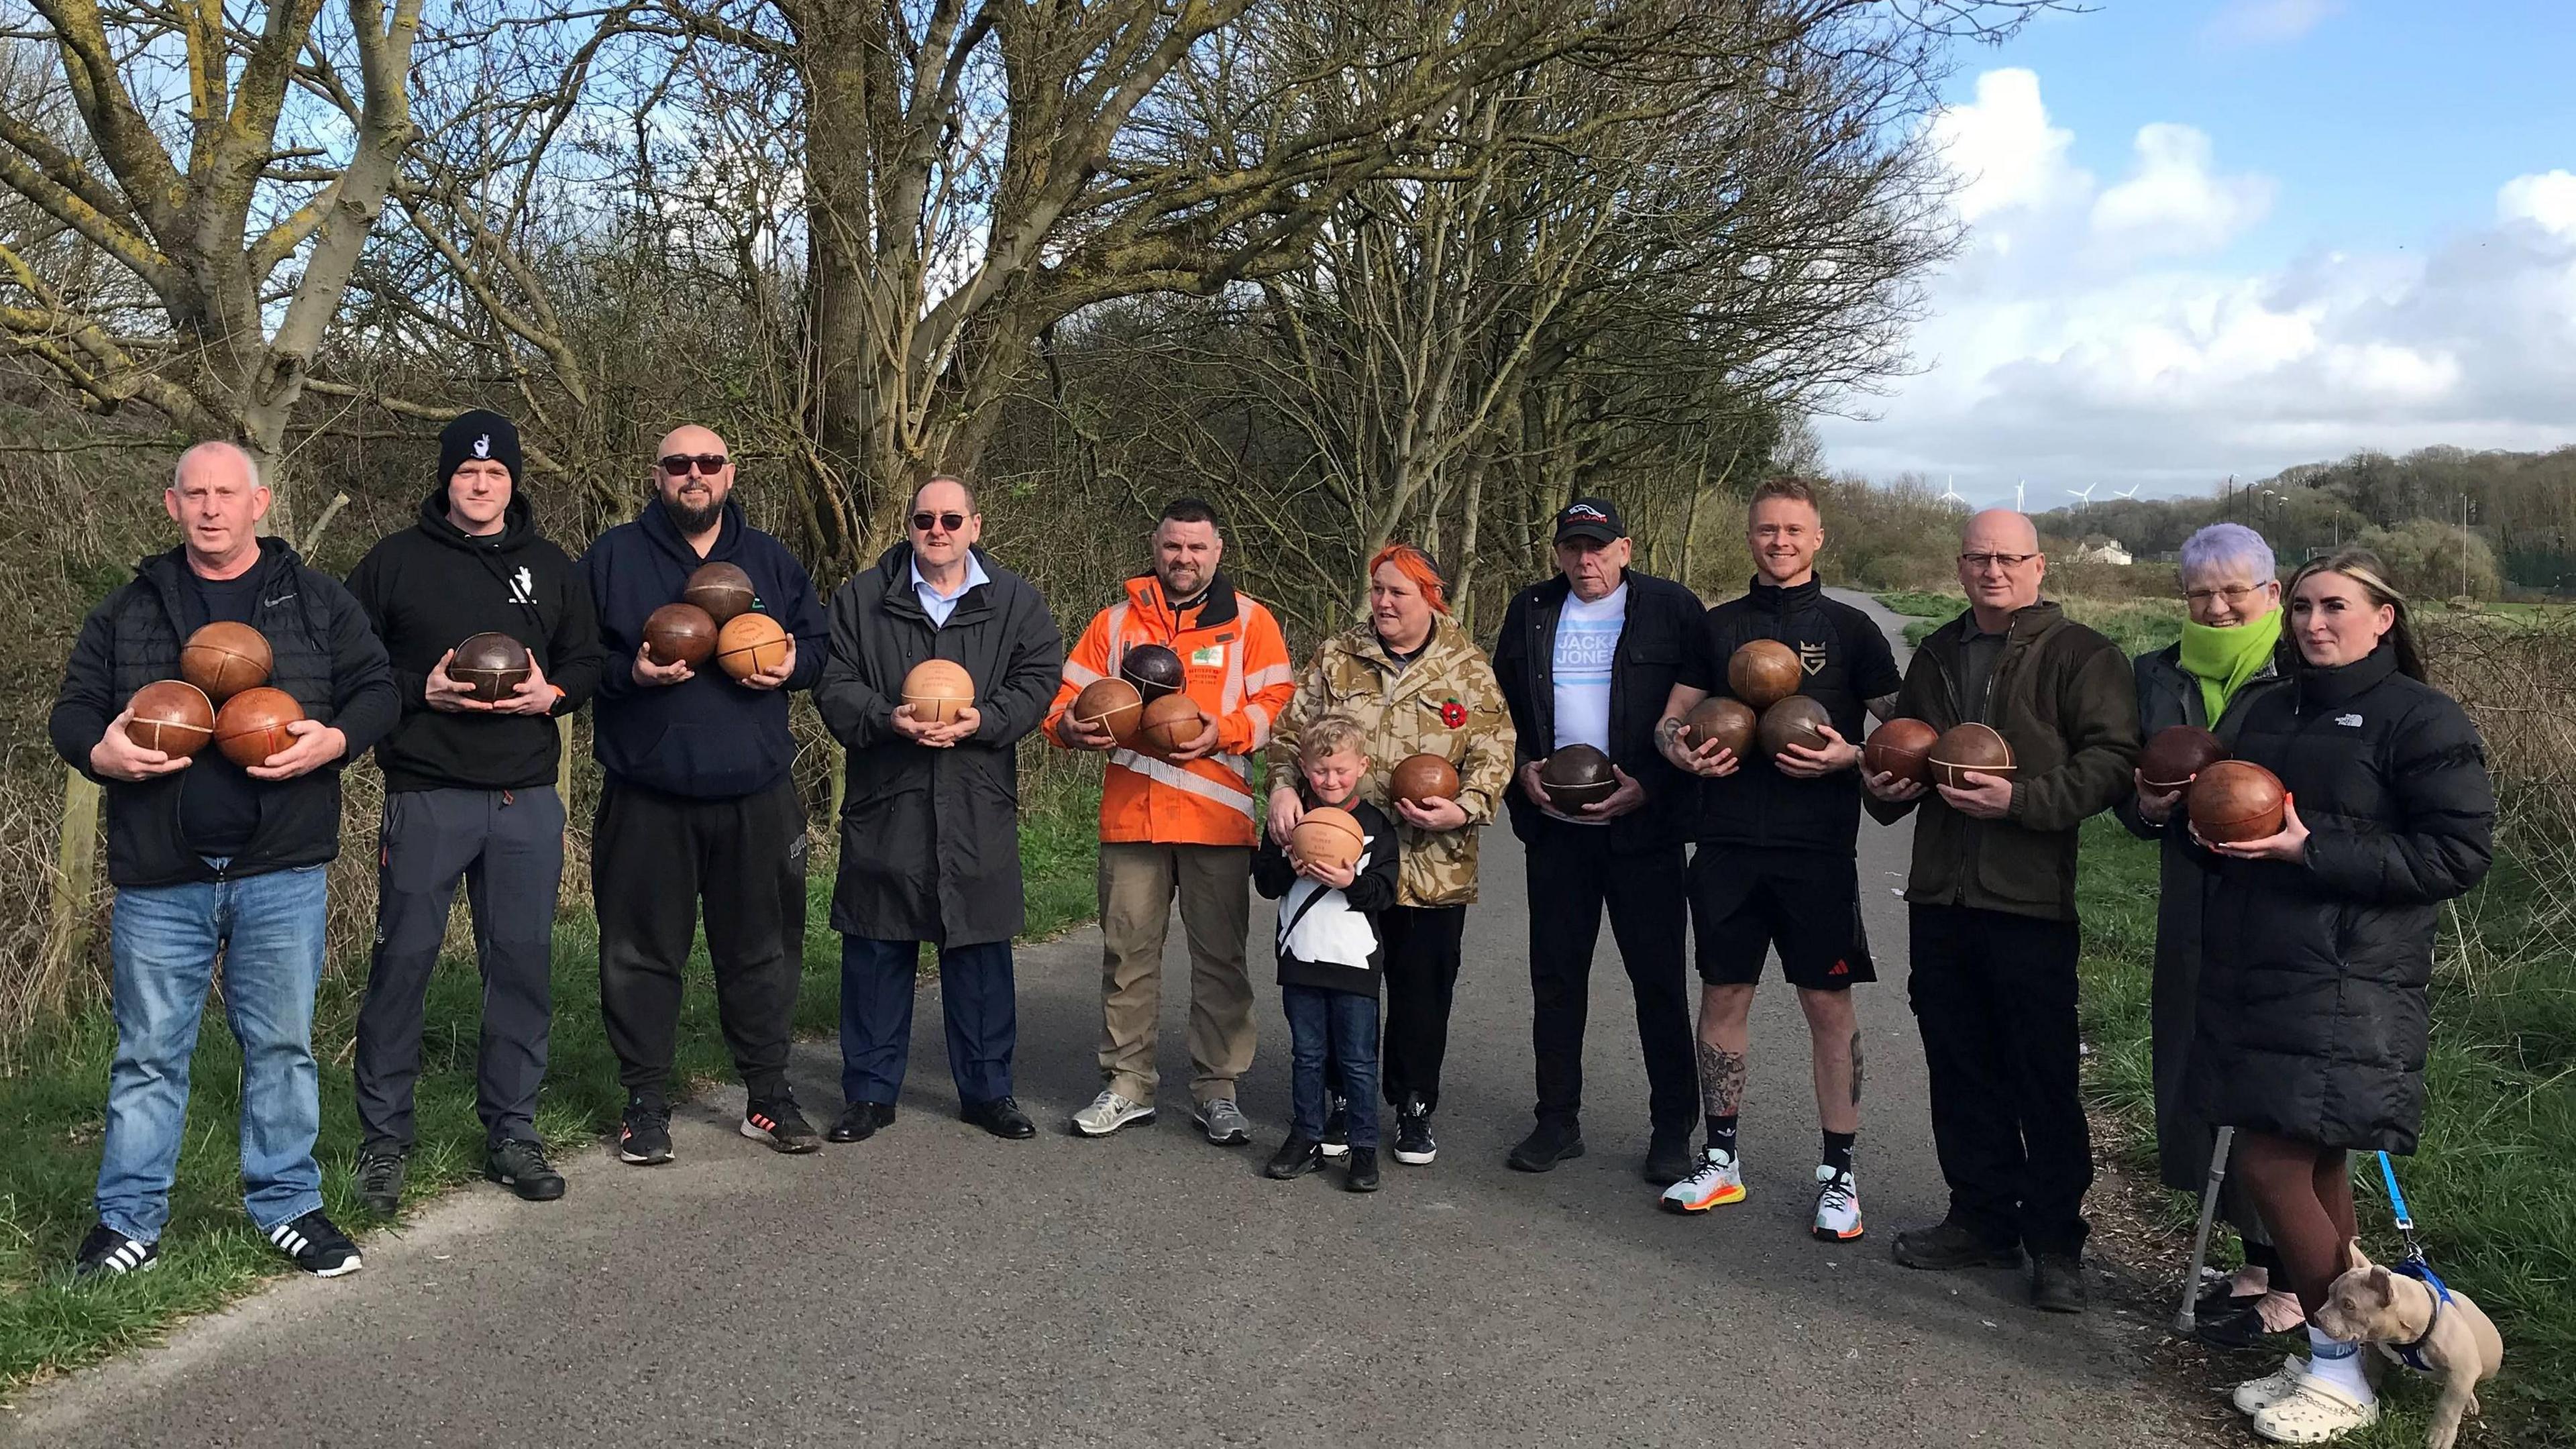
{"type": "Point", "coordinates": [2132, 493]}
{"type": "Point", "coordinates": [1950, 491]}
{"type": "Point", "coordinates": [2019, 489]}
{"type": "Point", "coordinates": [2084, 499]}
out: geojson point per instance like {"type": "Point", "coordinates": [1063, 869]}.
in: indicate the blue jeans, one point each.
{"type": "Point", "coordinates": [975, 998]}
{"type": "Point", "coordinates": [164, 940]}
{"type": "Point", "coordinates": [1343, 1025]}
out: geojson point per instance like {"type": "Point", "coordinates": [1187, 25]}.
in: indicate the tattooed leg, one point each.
{"type": "Point", "coordinates": [1725, 1038]}
{"type": "Point", "coordinates": [1833, 1033]}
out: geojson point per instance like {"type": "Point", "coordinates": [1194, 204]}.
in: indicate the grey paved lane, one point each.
{"type": "Point", "coordinates": [936, 1286]}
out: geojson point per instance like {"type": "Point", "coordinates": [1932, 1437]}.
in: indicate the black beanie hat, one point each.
{"type": "Point", "coordinates": [478, 434]}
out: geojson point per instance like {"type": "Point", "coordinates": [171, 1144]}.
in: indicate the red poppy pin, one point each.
{"type": "Point", "coordinates": [1453, 714]}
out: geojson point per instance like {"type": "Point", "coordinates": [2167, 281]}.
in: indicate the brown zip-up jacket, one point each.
{"type": "Point", "coordinates": [2063, 697]}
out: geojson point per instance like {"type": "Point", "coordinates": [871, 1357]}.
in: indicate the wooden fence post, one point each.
{"type": "Point", "coordinates": [75, 877]}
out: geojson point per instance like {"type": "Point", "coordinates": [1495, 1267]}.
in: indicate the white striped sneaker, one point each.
{"type": "Point", "coordinates": [316, 1246]}
{"type": "Point", "coordinates": [109, 1253]}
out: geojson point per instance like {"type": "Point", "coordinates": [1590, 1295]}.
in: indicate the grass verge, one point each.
{"type": "Point", "coordinates": [52, 1113]}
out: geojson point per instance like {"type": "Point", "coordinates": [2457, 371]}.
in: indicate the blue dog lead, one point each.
{"type": "Point", "coordinates": [2414, 1266]}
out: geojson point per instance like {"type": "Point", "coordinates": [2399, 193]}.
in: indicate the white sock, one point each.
{"type": "Point", "coordinates": [2338, 1363]}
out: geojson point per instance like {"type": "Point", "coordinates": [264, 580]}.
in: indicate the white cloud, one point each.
{"type": "Point", "coordinates": [2267, 22]}
{"type": "Point", "coordinates": [2100, 335]}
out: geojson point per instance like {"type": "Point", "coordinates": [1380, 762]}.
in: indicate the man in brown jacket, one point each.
{"type": "Point", "coordinates": [1993, 926]}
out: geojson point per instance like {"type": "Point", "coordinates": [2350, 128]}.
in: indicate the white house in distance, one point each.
{"type": "Point", "coordinates": [2106, 550]}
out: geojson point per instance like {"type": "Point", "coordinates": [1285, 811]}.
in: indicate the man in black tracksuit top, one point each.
{"type": "Point", "coordinates": [470, 792]}
{"type": "Point", "coordinates": [1589, 657]}
{"type": "Point", "coordinates": [697, 803]}
{"type": "Point", "coordinates": [1775, 864]}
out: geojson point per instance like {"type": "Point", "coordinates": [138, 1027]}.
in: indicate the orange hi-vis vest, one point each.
{"type": "Point", "coordinates": [1237, 668]}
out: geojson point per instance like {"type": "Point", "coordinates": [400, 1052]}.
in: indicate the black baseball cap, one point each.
{"type": "Point", "coordinates": [1593, 518]}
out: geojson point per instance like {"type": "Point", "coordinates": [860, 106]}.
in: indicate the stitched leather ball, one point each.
{"type": "Point", "coordinates": [490, 666]}
{"type": "Point", "coordinates": [252, 725]}
{"type": "Point", "coordinates": [1113, 704]}
{"type": "Point", "coordinates": [2234, 801]}
{"type": "Point", "coordinates": [1417, 778]}
{"type": "Point", "coordinates": [1722, 721]}
{"type": "Point", "coordinates": [225, 658]}
{"type": "Point", "coordinates": [1763, 673]}
{"type": "Point", "coordinates": [1328, 836]}
{"type": "Point", "coordinates": [1901, 747]}
{"type": "Point", "coordinates": [680, 634]}
{"type": "Point", "coordinates": [1154, 669]}
{"type": "Point", "coordinates": [1798, 720]}
{"type": "Point", "coordinates": [1167, 723]}
{"type": "Point", "coordinates": [2176, 753]}
{"type": "Point", "coordinates": [722, 589]}
{"type": "Point", "coordinates": [1965, 748]}
{"type": "Point", "coordinates": [1576, 776]}
{"type": "Point", "coordinates": [750, 644]}
{"type": "Point", "coordinates": [172, 716]}
{"type": "Point", "coordinates": [938, 690]}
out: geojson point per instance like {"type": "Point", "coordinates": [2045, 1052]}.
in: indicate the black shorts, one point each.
{"type": "Point", "coordinates": [1743, 904]}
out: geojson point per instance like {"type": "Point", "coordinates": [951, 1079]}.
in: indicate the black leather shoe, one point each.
{"type": "Point", "coordinates": [1363, 1172]}
{"type": "Point", "coordinates": [1295, 1158]}
{"type": "Point", "coordinates": [1552, 1141]}
{"type": "Point", "coordinates": [520, 1165]}
{"type": "Point", "coordinates": [860, 1120]}
{"type": "Point", "coordinates": [2057, 1282]}
{"type": "Point", "coordinates": [2230, 1330]}
{"type": "Point", "coordinates": [1001, 1116]}
{"type": "Point", "coordinates": [1946, 1247]}
{"type": "Point", "coordinates": [1669, 1158]}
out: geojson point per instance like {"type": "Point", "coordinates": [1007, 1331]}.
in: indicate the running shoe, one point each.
{"type": "Point", "coordinates": [1719, 1181]}
{"type": "Point", "coordinates": [1837, 1205]}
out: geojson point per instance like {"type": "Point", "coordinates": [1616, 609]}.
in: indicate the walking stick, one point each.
{"type": "Point", "coordinates": [2185, 1317]}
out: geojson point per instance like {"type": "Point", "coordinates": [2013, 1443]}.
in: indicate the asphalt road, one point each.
{"type": "Point", "coordinates": [936, 1286]}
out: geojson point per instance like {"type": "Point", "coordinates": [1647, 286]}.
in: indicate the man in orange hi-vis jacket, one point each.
{"type": "Point", "coordinates": [1179, 824]}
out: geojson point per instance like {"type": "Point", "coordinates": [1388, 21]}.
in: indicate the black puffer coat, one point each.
{"type": "Point", "coordinates": [2312, 1020]}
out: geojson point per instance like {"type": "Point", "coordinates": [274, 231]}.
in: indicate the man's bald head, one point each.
{"type": "Point", "coordinates": [2000, 566]}
{"type": "Point", "coordinates": [217, 500]}
{"type": "Point", "coordinates": [1999, 530]}
{"type": "Point", "coordinates": [694, 496]}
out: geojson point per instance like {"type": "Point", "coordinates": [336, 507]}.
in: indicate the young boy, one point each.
{"type": "Point", "coordinates": [1329, 955]}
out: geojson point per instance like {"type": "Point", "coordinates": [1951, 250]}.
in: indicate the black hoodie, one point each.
{"type": "Point", "coordinates": [431, 587]}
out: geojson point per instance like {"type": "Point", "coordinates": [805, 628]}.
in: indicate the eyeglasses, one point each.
{"type": "Point", "coordinates": [1983, 561]}
{"type": "Point", "coordinates": [2232, 593]}
{"type": "Point", "coordinates": [921, 522]}
{"type": "Point", "coordinates": [708, 464]}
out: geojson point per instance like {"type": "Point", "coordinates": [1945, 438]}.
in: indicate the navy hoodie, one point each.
{"type": "Point", "coordinates": [707, 738]}
{"type": "Point", "coordinates": [430, 588]}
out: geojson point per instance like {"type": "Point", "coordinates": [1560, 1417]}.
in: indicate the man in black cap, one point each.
{"type": "Point", "coordinates": [1587, 658]}
{"type": "Point", "coordinates": [470, 793]}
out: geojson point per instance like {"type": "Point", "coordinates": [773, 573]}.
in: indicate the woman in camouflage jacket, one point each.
{"type": "Point", "coordinates": [1417, 685]}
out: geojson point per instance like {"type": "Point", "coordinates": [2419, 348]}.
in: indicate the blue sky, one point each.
{"type": "Point", "coordinates": [2213, 236]}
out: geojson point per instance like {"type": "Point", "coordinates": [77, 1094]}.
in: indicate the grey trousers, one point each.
{"type": "Point", "coordinates": [507, 845]}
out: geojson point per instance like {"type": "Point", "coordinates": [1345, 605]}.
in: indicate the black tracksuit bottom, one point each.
{"type": "Point", "coordinates": [1994, 995]}
{"type": "Point", "coordinates": [1572, 880]}
{"type": "Point", "coordinates": [653, 858]}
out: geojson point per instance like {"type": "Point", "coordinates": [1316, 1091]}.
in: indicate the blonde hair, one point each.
{"type": "Point", "coordinates": [2364, 568]}
{"type": "Point", "coordinates": [1329, 735]}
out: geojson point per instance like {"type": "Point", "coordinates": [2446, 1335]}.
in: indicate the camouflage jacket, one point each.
{"type": "Point", "coordinates": [1445, 703]}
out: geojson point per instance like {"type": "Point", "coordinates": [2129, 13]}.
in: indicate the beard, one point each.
{"type": "Point", "coordinates": [692, 521]}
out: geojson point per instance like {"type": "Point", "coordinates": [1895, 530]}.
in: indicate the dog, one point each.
{"type": "Point", "coordinates": [2452, 1339]}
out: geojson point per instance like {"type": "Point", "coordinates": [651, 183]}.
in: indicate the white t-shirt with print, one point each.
{"type": "Point", "coordinates": [1587, 639]}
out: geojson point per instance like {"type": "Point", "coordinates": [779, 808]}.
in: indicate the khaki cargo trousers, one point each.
{"type": "Point", "coordinates": [1137, 885]}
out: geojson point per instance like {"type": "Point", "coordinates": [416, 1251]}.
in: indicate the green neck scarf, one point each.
{"type": "Point", "coordinates": [2223, 659]}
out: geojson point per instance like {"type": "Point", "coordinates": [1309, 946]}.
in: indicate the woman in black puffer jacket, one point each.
{"type": "Point", "coordinates": [2310, 1036]}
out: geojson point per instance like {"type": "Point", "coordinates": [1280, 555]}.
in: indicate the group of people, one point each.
{"type": "Point", "coordinates": [2290, 971]}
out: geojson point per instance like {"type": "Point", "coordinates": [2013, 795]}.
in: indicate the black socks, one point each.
{"type": "Point", "coordinates": [1838, 1150]}
{"type": "Point", "coordinates": [1721, 1135]}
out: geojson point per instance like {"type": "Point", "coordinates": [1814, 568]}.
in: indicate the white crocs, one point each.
{"type": "Point", "coordinates": [2255, 1395]}
{"type": "Point", "coordinates": [2315, 1412]}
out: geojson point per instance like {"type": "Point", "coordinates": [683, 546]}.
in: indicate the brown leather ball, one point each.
{"type": "Point", "coordinates": [750, 644]}
{"type": "Point", "coordinates": [1720, 720]}
{"type": "Point", "coordinates": [680, 634]}
{"type": "Point", "coordinates": [722, 589]}
{"type": "Point", "coordinates": [1417, 778]}
{"type": "Point", "coordinates": [2234, 801]}
{"type": "Point", "coordinates": [2176, 753]}
{"type": "Point", "coordinates": [1967, 747]}
{"type": "Point", "coordinates": [252, 725]}
{"type": "Point", "coordinates": [1798, 720]}
{"type": "Point", "coordinates": [1329, 836]}
{"type": "Point", "coordinates": [1168, 723]}
{"type": "Point", "coordinates": [938, 690]}
{"type": "Point", "coordinates": [1111, 703]}
{"type": "Point", "coordinates": [1763, 673]}
{"type": "Point", "coordinates": [1576, 776]}
{"type": "Point", "coordinates": [225, 658]}
{"type": "Point", "coordinates": [172, 716]}
{"type": "Point", "coordinates": [491, 666]}
{"type": "Point", "coordinates": [1901, 747]}
{"type": "Point", "coordinates": [1154, 669]}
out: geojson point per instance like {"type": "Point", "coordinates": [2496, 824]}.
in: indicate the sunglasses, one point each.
{"type": "Point", "coordinates": [708, 464]}
{"type": "Point", "coordinates": [921, 522]}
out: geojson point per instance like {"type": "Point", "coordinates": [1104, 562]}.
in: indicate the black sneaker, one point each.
{"type": "Point", "coordinates": [1337, 1125]}
{"type": "Point", "coordinates": [1363, 1173]}
{"type": "Point", "coordinates": [1946, 1246]}
{"type": "Point", "coordinates": [2057, 1282]}
{"type": "Point", "coordinates": [520, 1165]}
{"type": "Point", "coordinates": [645, 1139]}
{"type": "Point", "coordinates": [1552, 1141]}
{"type": "Point", "coordinates": [380, 1178]}
{"type": "Point", "coordinates": [1413, 1144]}
{"type": "Point", "coordinates": [315, 1246]}
{"type": "Point", "coordinates": [1295, 1158]}
{"type": "Point", "coordinates": [1669, 1158]}
{"type": "Point", "coordinates": [775, 1121]}
{"type": "Point", "coordinates": [107, 1253]}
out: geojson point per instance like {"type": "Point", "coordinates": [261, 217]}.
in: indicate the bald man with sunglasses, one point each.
{"type": "Point", "coordinates": [697, 803]}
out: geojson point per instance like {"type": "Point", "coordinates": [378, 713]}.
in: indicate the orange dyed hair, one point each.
{"type": "Point", "coordinates": [1416, 565]}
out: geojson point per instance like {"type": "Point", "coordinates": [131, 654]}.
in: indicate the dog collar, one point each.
{"type": "Point", "coordinates": [2412, 1354]}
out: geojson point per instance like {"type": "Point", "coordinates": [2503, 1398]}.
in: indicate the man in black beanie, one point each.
{"type": "Point", "coordinates": [470, 792]}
